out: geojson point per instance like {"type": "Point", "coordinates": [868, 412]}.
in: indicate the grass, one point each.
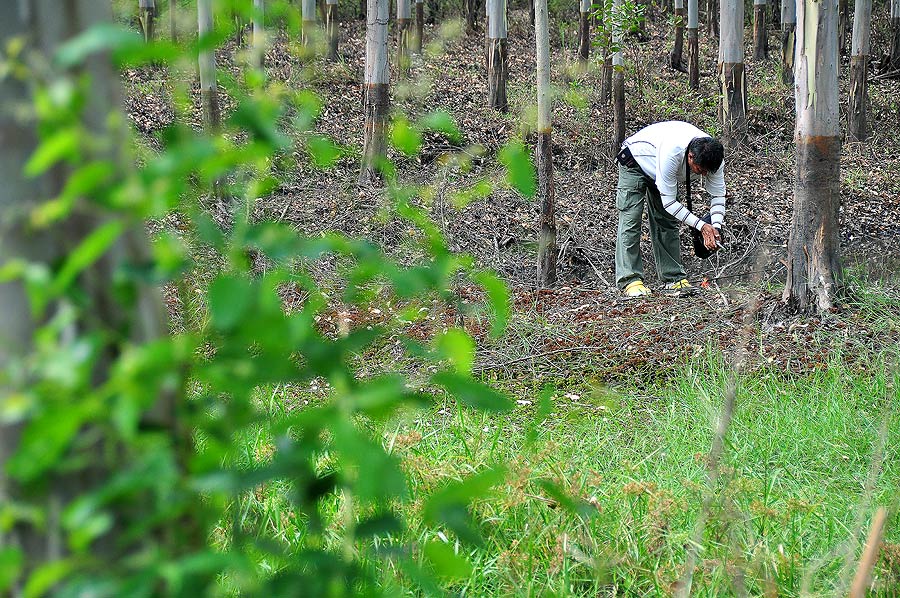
{"type": "Point", "coordinates": [792, 502]}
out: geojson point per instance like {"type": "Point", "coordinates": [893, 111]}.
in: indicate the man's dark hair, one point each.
{"type": "Point", "coordinates": [708, 152]}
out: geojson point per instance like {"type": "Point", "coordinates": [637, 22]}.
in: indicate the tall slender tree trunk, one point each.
{"type": "Point", "coordinates": [332, 30]}
{"type": "Point", "coordinates": [376, 89]}
{"type": "Point", "coordinates": [733, 99]}
{"type": "Point", "coordinates": [895, 35]}
{"type": "Point", "coordinates": [309, 22]}
{"type": "Point", "coordinates": [606, 21]}
{"type": "Point", "coordinates": [693, 38]}
{"type": "Point", "coordinates": [584, 31]}
{"type": "Point", "coordinates": [788, 37]}
{"type": "Point", "coordinates": [362, 9]}
{"type": "Point", "coordinates": [712, 18]}
{"type": "Point", "coordinates": [173, 20]}
{"type": "Point", "coordinates": [471, 14]}
{"type": "Point", "coordinates": [420, 26]}
{"type": "Point", "coordinates": [209, 95]}
{"type": "Point", "coordinates": [676, 57]}
{"type": "Point", "coordinates": [497, 57]}
{"type": "Point", "coordinates": [760, 32]}
{"type": "Point", "coordinates": [147, 16]}
{"type": "Point", "coordinates": [776, 13]}
{"type": "Point", "coordinates": [813, 260]}
{"type": "Point", "coordinates": [531, 10]}
{"type": "Point", "coordinates": [844, 25]}
{"type": "Point", "coordinates": [546, 267]}
{"type": "Point", "coordinates": [404, 26]}
{"type": "Point", "coordinates": [618, 83]}
{"type": "Point", "coordinates": [857, 122]}
{"type": "Point", "coordinates": [43, 541]}
{"type": "Point", "coordinates": [259, 34]}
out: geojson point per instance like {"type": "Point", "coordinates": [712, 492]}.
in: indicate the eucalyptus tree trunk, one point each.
{"type": "Point", "coordinates": [376, 89]}
{"type": "Point", "coordinates": [895, 35]}
{"type": "Point", "coordinates": [497, 56]}
{"type": "Point", "coordinates": [209, 95]}
{"type": "Point", "coordinates": [857, 122]}
{"type": "Point", "coordinates": [420, 27]}
{"type": "Point", "coordinates": [788, 38]}
{"type": "Point", "coordinates": [618, 83]}
{"type": "Point", "coordinates": [173, 18]}
{"type": "Point", "coordinates": [813, 260]}
{"type": "Point", "coordinates": [584, 31]}
{"type": "Point", "coordinates": [712, 18]}
{"type": "Point", "coordinates": [606, 20]}
{"type": "Point", "coordinates": [332, 31]}
{"type": "Point", "coordinates": [776, 13]}
{"type": "Point", "coordinates": [760, 35]}
{"type": "Point", "coordinates": [470, 12]}
{"type": "Point", "coordinates": [147, 15]}
{"type": "Point", "coordinates": [259, 34]}
{"type": "Point", "coordinates": [404, 25]}
{"type": "Point", "coordinates": [843, 26]}
{"type": "Point", "coordinates": [676, 55]}
{"type": "Point", "coordinates": [546, 267]}
{"type": "Point", "coordinates": [733, 99]}
{"type": "Point", "coordinates": [693, 44]}
{"type": "Point", "coordinates": [89, 460]}
{"type": "Point", "coordinates": [309, 22]}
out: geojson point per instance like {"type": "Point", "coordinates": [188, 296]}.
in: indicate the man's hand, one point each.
{"type": "Point", "coordinates": [711, 236]}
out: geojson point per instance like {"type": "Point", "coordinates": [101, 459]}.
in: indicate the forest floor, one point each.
{"type": "Point", "coordinates": [500, 229]}
{"type": "Point", "coordinates": [638, 383]}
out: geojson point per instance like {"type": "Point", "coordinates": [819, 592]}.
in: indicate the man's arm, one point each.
{"type": "Point", "coordinates": [714, 182]}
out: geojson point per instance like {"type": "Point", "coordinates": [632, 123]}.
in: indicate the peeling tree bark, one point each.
{"type": "Point", "coordinates": [497, 57]}
{"type": "Point", "coordinates": [584, 31]}
{"type": "Point", "coordinates": [760, 33]}
{"type": "Point", "coordinates": [693, 44]}
{"type": "Point", "coordinates": [857, 122]}
{"type": "Point", "coordinates": [146, 15]}
{"type": "Point", "coordinates": [376, 89]}
{"type": "Point", "coordinates": [712, 18]}
{"type": "Point", "coordinates": [813, 260]}
{"type": "Point", "coordinates": [788, 36]}
{"type": "Point", "coordinates": [546, 267]}
{"type": "Point", "coordinates": [332, 30]}
{"type": "Point", "coordinates": [733, 98]}
{"type": "Point", "coordinates": [676, 55]}
{"type": "Point", "coordinates": [404, 26]}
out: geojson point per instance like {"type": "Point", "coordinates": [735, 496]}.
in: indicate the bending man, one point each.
{"type": "Point", "coordinates": [651, 164]}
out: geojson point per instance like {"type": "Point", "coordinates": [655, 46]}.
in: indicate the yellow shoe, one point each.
{"type": "Point", "coordinates": [637, 289]}
{"type": "Point", "coordinates": [681, 288]}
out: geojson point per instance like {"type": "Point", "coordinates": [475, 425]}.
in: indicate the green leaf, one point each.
{"type": "Point", "coordinates": [498, 296]}
{"type": "Point", "coordinates": [449, 505]}
{"type": "Point", "coordinates": [309, 107]}
{"type": "Point", "coordinates": [471, 392]}
{"type": "Point", "coordinates": [83, 182]}
{"type": "Point", "coordinates": [98, 38]}
{"type": "Point", "coordinates": [405, 137]}
{"type": "Point", "coordinates": [574, 506]}
{"type": "Point", "coordinates": [457, 346]}
{"type": "Point", "coordinates": [323, 151]}
{"type": "Point", "coordinates": [519, 167]}
{"type": "Point", "coordinates": [45, 577]}
{"type": "Point", "coordinates": [89, 251]}
{"type": "Point", "coordinates": [61, 145]}
{"type": "Point", "coordinates": [479, 190]}
{"type": "Point", "coordinates": [442, 122]}
{"type": "Point", "coordinates": [10, 566]}
{"type": "Point", "coordinates": [43, 442]}
{"type": "Point", "coordinates": [229, 299]}
{"type": "Point", "coordinates": [447, 563]}
{"type": "Point", "coordinates": [379, 525]}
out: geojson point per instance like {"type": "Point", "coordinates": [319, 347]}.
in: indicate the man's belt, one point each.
{"type": "Point", "coordinates": [625, 158]}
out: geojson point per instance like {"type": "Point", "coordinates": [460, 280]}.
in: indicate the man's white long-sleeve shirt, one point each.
{"type": "Point", "coordinates": [660, 151]}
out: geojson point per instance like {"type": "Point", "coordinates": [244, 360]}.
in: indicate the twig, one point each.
{"type": "Point", "coordinates": [867, 561]}
{"type": "Point", "coordinates": [889, 75]}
